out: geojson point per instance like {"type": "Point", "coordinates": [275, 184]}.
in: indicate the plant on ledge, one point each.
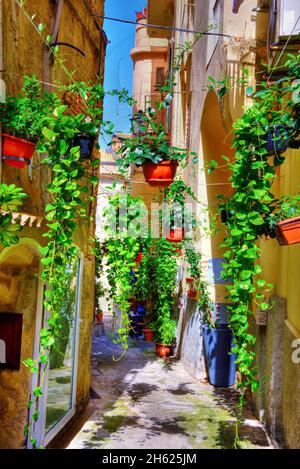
{"type": "Point", "coordinates": [23, 119]}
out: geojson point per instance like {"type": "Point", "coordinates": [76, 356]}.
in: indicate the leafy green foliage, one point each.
{"type": "Point", "coordinates": [26, 115]}
{"type": "Point", "coordinates": [11, 198]}
{"type": "Point", "coordinates": [253, 211]}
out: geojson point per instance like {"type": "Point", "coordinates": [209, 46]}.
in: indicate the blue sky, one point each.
{"type": "Point", "coordinates": [118, 63]}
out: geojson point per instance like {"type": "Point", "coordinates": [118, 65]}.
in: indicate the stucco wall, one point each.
{"type": "Point", "coordinates": [210, 126]}
{"type": "Point", "coordinates": [24, 53]}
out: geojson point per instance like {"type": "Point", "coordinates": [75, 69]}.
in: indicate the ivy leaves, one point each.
{"type": "Point", "coordinates": [253, 211]}
{"type": "Point", "coordinates": [11, 198]}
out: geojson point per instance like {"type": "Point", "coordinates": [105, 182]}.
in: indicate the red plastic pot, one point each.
{"type": "Point", "coordinates": [288, 231]}
{"type": "Point", "coordinates": [160, 174]}
{"type": "Point", "coordinates": [139, 258]}
{"type": "Point", "coordinates": [163, 351]}
{"type": "Point", "coordinates": [148, 334]}
{"type": "Point", "coordinates": [17, 152]}
{"type": "Point", "coordinates": [189, 280]}
{"type": "Point", "coordinates": [176, 235]}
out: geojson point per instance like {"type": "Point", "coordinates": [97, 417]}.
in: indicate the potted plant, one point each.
{"type": "Point", "coordinates": [86, 144]}
{"type": "Point", "coordinates": [193, 258]}
{"type": "Point", "coordinates": [277, 139]}
{"type": "Point", "coordinates": [284, 220]}
{"type": "Point", "coordinates": [150, 148]}
{"type": "Point", "coordinates": [165, 334]}
{"type": "Point", "coordinates": [23, 119]}
{"type": "Point", "coordinates": [149, 331]}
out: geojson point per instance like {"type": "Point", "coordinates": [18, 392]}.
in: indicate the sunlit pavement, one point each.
{"type": "Point", "coordinates": [141, 401]}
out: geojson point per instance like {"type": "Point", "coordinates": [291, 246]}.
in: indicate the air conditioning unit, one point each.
{"type": "Point", "coordinates": [289, 18]}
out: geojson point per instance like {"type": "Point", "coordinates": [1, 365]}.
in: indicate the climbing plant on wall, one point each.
{"type": "Point", "coordinates": [264, 132]}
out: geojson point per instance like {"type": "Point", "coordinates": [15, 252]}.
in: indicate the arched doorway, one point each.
{"type": "Point", "coordinates": [19, 294]}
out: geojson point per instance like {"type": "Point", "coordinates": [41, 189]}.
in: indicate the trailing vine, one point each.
{"type": "Point", "coordinates": [250, 212]}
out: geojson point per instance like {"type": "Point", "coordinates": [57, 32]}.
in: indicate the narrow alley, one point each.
{"type": "Point", "coordinates": [141, 401]}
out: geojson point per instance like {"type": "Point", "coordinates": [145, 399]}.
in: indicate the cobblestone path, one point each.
{"type": "Point", "coordinates": [141, 401]}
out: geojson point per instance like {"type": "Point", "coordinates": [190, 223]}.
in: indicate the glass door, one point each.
{"type": "Point", "coordinates": [57, 404]}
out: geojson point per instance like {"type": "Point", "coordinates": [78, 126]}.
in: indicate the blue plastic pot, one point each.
{"type": "Point", "coordinates": [277, 140]}
{"type": "Point", "coordinates": [220, 363]}
{"type": "Point", "coordinates": [140, 309]}
{"type": "Point", "coordinates": [133, 277]}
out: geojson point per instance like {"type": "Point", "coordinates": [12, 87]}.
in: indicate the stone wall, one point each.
{"type": "Point", "coordinates": [25, 53]}
{"type": "Point", "coordinates": [276, 402]}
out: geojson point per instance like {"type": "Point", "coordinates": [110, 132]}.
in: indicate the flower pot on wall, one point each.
{"type": "Point", "coordinates": [160, 174]}
{"type": "Point", "coordinates": [17, 152]}
{"type": "Point", "coordinates": [176, 235]}
{"type": "Point", "coordinates": [288, 231]}
{"type": "Point", "coordinates": [148, 335]}
{"type": "Point", "coordinates": [277, 140]}
{"type": "Point", "coordinates": [191, 288]}
{"type": "Point", "coordinates": [220, 363]}
{"type": "Point", "coordinates": [261, 317]}
{"type": "Point", "coordinates": [86, 144]}
{"type": "Point", "coordinates": [138, 258]}
{"type": "Point", "coordinates": [163, 350]}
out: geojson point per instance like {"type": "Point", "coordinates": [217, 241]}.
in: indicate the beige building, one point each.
{"type": "Point", "coordinates": [207, 129]}
{"type": "Point", "coordinates": [247, 34]}
{"type": "Point", "coordinates": [82, 41]}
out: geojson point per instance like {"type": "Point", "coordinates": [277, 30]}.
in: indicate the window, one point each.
{"type": "Point", "coordinates": [289, 17]}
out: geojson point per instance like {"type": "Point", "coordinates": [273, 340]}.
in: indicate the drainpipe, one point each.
{"type": "Point", "coordinates": [55, 31]}
{"type": "Point", "coordinates": [1, 68]}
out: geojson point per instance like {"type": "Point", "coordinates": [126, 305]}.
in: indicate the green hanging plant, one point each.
{"type": "Point", "coordinates": [252, 211]}
{"type": "Point", "coordinates": [11, 198]}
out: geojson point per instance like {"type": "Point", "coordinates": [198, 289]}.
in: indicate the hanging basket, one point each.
{"type": "Point", "coordinates": [176, 235]}
{"type": "Point", "coordinates": [288, 231]}
{"type": "Point", "coordinates": [277, 140]}
{"type": "Point", "coordinates": [86, 144]}
{"type": "Point", "coordinates": [138, 258]}
{"type": "Point", "coordinates": [160, 174]}
{"type": "Point", "coordinates": [17, 152]}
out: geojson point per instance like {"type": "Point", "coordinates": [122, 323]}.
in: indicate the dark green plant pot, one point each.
{"type": "Point", "coordinates": [86, 144]}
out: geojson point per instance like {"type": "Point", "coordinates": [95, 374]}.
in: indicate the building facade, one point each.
{"type": "Point", "coordinates": [257, 36]}
{"type": "Point", "coordinates": [78, 32]}
{"type": "Point", "coordinates": [247, 34]}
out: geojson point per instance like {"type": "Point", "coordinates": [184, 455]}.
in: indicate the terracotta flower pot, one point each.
{"type": "Point", "coordinates": [148, 334]}
{"type": "Point", "coordinates": [99, 317]}
{"type": "Point", "coordinates": [17, 152]}
{"type": "Point", "coordinates": [189, 280]}
{"type": "Point", "coordinates": [160, 174]}
{"type": "Point", "coordinates": [192, 294]}
{"type": "Point", "coordinates": [176, 235]}
{"type": "Point", "coordinates": [288, 231]}
{"type": "Point", "coordinates": [163, 351]}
